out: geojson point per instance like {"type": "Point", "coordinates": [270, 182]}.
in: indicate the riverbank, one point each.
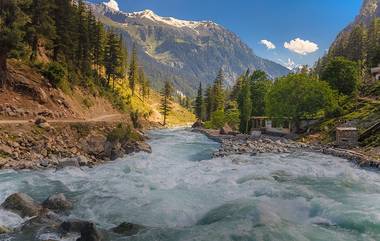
{"type": "Point", "coordinates": [245, 144]}
{"type": "Point", "coordinates": [43, 145]}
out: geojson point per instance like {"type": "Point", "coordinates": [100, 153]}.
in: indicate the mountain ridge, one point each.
{"type": "Point", "coordinates": [186, 52]}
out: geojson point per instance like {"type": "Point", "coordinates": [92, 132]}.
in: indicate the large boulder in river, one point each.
{"type": "Point", "coordinates": [128, 229]}
{"type": "Point", "coordinates": [68, 162]}
{"type": "Point", "coordinates": [4, 230]}
{"type": "Point", "coordinates": [22, 204]}
{"type": "Point", "coordinates": [57, 202]}
{"type": "Point", "coordinates": [88, 230]}
{"type": "Point", "coordinates": [198, 124]}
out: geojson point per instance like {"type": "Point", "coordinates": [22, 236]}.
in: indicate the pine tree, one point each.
{"type": "Point", "coordinates": [12, 32]}
{"type": "Point", "coordinates": [355, 49]}
{"type": "Point", "coordinates": [218, 92]}
{"type": "Point", "coordinates": [373, 43]}
{"type": "Point", "coordinates": [41, 25]}
{"type": "Point", "coordinates": [64, 44]}
{"type": "Point", "coordinates": [200, 111]}
{"type": "Point", "coordinates": [209, 102]}
{"type": "Point", "coordinates": [165, 100]}
{"type": "Point", "coordinates": [245, 107]}
{"type": "Point", "coordinates": [112, 58]}
{"type": "Point", "coordinates": [133, 70]}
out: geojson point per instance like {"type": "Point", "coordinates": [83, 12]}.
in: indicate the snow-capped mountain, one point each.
{"type": "Point", "coordinates": [185, 52]}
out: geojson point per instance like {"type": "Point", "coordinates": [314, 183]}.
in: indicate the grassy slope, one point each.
{"type": "Point", "coordinates": [150, 107]}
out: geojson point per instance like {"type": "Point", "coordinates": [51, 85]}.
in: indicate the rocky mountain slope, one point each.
{"type": "Point", "coordinates": [185, 52]}
{"type": "Point", "coordinates": [369, 10]}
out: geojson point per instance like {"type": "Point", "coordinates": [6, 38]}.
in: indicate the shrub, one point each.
{"type": "Point", "coordinates": [123, 133]}
{"type": "Point", "coordinates": [135, 117]}
{"type": "Point", "coordinates": [55, 73]}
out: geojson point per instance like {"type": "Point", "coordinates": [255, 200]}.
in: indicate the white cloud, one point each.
{"type": "Point", "coordinates": [268, 44]}
{"type": "Point", "coordinates": [300, 46]}
{"type": "Point", "coordinates": [112, 4]}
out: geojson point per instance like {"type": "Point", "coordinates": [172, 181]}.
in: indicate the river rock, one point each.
{"type": "Point", "coordinates": [225, 130]}
{"type": "Point", "coordinates": [143, 146]}
{"type": "Point", "coordinates": [68, 162]}
{"type": "Point", "coordinates": [94, 144]}
{"type": "Point", "coordinates": [22, 204]}
{"type": "Point", "coordinates": [88, 230]}
{"type": "Point", "coordinates": [4, 230]}
{"type": "Point", "coordinates": [40, 120]}
{"type": "Point", "coordinates": [57, 202]}
{"type": "Point", "coordinates": [4, 149]}
{"type": "Point", "coordinates": [198, 124]}
{"type": "Point", "coordinates": [128, 229]}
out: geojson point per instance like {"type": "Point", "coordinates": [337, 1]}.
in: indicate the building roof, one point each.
{"type": "Point", "coordinates": [375, 70]}
{"type": "Point", "coordinates": [346, 128]}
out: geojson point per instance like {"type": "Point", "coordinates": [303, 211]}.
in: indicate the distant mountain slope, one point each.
{"type": "Point", "coordinates": [185, 52]}
{"type": "Point", "coordinates": [369, 11]}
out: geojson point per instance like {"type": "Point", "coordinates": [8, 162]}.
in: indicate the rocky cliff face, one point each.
{"type": "Point", "coordinates": [185, 52]}
{"type": "Point", "coordinates": [370, 9]}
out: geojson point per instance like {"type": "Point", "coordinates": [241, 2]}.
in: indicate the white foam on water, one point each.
{"type": "Point", "coordinates": [187, 195]}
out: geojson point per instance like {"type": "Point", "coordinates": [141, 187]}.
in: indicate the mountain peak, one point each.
{"type": "Point", "coordinates": [149, 14]}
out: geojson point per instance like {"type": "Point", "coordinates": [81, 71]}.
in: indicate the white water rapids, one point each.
{"type": "Point", "coordinates": [184, 194]}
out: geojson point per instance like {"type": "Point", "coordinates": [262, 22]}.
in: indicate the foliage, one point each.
{"type": "Point", "coordinates": [55, 73]}
{"type": "Point", "coordinates": [217, 119]}
{"type": "Point", "coordinates": [12, 30]}
{"type": "Point", "coordinates": [200, 107]}
{"type": "Point", "coordinates": [245, 106]}
{"type": "Point", "coordinates": [123, 133]}
{"type": "Point", "coordinates": [342, 75]}
{"type": "Point", "coordinates": [298, 96]}
{"type": "Point", "coordinates": [260, 84]}
{"type": "Point", "coordinates": [135, 117]}
{"type": "Point", "coordinates": [166, 94]}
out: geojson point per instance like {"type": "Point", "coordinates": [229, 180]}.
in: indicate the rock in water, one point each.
{"type": "Point", "coordinates": [128, 229]}
{"type": "Point", "coordinates": [88, 230]}
{"type": "Point", "coordinates": [198, 124]}
{"type": "Point", "coordinates": [57, 202]}
{"type": "Point", "coordinates": [4, 230]}
{"type": "Point", "coordinates": [90, 233]}
{"type": "Point", "coordinates": [68, 162]}
{"type": "Point", "coordinates": [22, 204]}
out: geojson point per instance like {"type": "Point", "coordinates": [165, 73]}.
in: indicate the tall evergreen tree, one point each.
{"type": "Point", "coordinates": [218, 92]}
{"type": "Point", "coordinates": [12, 32]}
{"type": "Point", "coordinates": [41, 25]}
{"type": "Point", "coordinates": [113, 59]}
{"type": "Point", "coordinates": [165, 100]}
{"type": "Point", "coordinates": [209, 102]}
{"type": "Point", "coordinates": [200, 110]}
{"type": "Point", "coordinates": [245, 107]}
{"type": "Point", "coordinates": [133, 70]}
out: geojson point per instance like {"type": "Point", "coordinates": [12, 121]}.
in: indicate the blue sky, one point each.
{"type": "Point", "coordinates": [311, 24]}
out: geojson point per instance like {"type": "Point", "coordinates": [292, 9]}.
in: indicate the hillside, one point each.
{"type": "Point", "coordinates": [32, 95]}
{"type": "Point", "coordinates": [186, 52]}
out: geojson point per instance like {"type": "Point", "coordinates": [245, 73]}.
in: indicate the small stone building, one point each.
{"type": "Point", "coordinates": [347, 136]}
{"type": "Point", "coordinates": [376, 72]}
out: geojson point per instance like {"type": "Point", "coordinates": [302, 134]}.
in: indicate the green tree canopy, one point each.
{"type": "Point", "coordinates": [342, 75]}
{"type": "Point", "coordinates": [297, 96]}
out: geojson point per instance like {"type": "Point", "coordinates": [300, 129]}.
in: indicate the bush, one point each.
{"type": "Point", "coordinates": [55, 73]}
{"type": "Point", "coordinates": [123, 133]}
{"type": "Point", "coordinates": [342, 75]}
{"type": "Point", "coordinates": [135, 117]}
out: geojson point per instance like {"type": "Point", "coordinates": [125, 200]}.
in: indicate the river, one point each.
{"type": "Point", "coordinates": [185, 194]}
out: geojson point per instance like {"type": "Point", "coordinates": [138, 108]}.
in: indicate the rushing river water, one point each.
{"type": "Point", "coordinates": [184, 194]}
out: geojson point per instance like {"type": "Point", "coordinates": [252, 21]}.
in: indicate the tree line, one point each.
{"type": "Point", "coordinates": [67, 37]}
{"type": "Point", "coordinates": [294, 97]}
